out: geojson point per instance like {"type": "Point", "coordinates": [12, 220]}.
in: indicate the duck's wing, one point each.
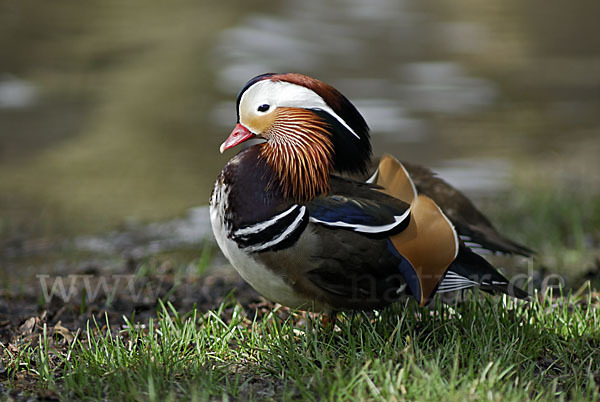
{"type": "Point", "coordinates": [419, 236]}
{"type": "Point", "coordinates": [360, 208]}
{"type": "Point", "coordinates": [472, 226]}
{"type": "Point", "coordinates": [419, 242]}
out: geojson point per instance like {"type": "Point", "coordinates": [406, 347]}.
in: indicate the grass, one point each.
{"type": "Point", "coordinates": [559, 219]}
{"type": "Point", "coordinates": [486, 348]}
{"type": "Point", "coordinates": [490, 348]}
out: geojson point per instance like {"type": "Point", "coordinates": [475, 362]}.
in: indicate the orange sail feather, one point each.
{"type": "Point", "coordinates": [430, 242]}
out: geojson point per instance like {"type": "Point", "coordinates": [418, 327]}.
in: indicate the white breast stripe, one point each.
{"type": "Point", "coordinates": [364, 228]}
{"type": "Point", "coordinates": [282, 236]}
{"type": "Point", "coordinates": [259, 227]}
{"type": "Point", "coordinates": [270, 284]}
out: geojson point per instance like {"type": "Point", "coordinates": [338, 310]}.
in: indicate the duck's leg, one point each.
{"type": "Point", "coordinates": [328, 320]}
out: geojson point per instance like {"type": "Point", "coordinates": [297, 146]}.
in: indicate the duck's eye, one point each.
{"type": "Point", "coordinates": [263, 108]}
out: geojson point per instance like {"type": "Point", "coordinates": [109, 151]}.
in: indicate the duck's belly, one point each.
{"type": "Point", "coordinates": [265, 281]}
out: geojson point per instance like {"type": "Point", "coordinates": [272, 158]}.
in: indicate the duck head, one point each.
{"type": "Point", "coordinates": [309, 128]}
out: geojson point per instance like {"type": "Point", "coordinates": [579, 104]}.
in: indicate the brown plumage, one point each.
{"type": "Point", "coordinates": [332, 96]}
{"type": "Point", "coordinates": [299, 151]}
{"type": "Point", "coordinates": [428, 229]}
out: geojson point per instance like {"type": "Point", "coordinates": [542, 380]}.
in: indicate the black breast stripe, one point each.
{"type": "Point", "coordinates": [276, 233]}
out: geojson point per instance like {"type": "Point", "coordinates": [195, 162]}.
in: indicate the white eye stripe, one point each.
{"type": "Point", "coordinates": [284, 94]}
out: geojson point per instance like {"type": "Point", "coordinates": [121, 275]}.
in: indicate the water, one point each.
{"type": "Point", "coordinates": [111, 116]}
{"type": "Point", "coordinates": [467, 88]}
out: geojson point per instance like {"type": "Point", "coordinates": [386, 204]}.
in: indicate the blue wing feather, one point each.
{"type": "Point", "coordinates": [367, 216]}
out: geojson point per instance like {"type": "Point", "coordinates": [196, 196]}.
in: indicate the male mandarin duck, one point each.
{"type": "Point", "coordinates": [291, 220]}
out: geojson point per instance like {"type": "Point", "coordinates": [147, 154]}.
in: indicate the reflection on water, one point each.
{"type": "Point", "coordinates": [445, 87]}
{"type": "Point", "coordinates": [477, 177]}
{"type": "Point", "coordinates": [16, 93]}
{"type": "Point", "coordinates": [112, 113]}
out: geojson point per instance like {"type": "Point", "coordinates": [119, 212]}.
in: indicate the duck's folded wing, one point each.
{"type": "Point", "coordinates": [354, 270]}
{"type": "Point", "coordinates": [364, 210]}
{"type": "Point", "coordinates": [418, 234]}
{"type": "Point", "coordinates": [473, 227]}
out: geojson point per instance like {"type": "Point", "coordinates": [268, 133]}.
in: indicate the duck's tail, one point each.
{"type": "Point", "coordinates": [472, 270]}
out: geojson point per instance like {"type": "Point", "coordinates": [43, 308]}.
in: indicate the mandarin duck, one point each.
{"type": "Point", "coordinates": [292, 218]}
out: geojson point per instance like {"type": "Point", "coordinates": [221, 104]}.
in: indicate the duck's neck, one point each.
{"type": "Point", "coordinates": [301, 164]}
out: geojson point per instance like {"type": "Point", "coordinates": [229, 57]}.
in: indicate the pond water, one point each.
{"type": "Point", "coordinates": [112, 114]}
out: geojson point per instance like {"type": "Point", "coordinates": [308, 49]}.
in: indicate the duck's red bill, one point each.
{"type": "Point", "coordinates": [237, 136]}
